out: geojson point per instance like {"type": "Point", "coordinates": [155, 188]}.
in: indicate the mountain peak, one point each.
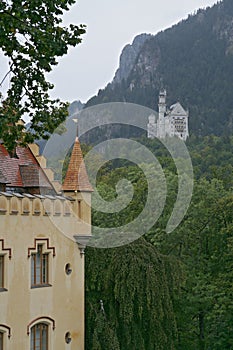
{"type": "Point", "coordinates": [193, 60]}
{"type": "Point", "coordinates": [128, 57]}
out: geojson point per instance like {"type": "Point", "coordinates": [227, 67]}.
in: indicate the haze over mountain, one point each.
{"type": "Point", "coordinates": [193, 60]}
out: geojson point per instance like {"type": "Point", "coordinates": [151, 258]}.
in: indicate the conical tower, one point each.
{"type": "Point", "coordinates": [76, 179]}
{"type": "Point", "coordinates": [77, 186]}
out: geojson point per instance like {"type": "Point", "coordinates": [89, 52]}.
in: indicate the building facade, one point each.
{"type": "Point", "coordinates": [171, 121]}
{"type": "Point", "coordinates": [42, 241]}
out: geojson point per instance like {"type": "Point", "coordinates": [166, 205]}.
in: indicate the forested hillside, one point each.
{"type": "Point", "coordinates": [193, 60]}
{"type": "Point", "coordinates": [167, 291]}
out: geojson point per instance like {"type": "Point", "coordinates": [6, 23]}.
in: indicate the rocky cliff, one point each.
{"type": "Point", "coordinates": [128, 57]}
{"type": "Point", "coordinates": [193, 60]}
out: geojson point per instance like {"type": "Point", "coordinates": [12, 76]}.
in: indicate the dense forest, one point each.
{"type": "Point", "coordinates": [193, 60]}
{"type": "Point", "coordinates": [167, 291]}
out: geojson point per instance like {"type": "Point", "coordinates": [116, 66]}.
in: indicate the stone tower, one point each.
{"type": "Point", "coordinates": [162, 111]}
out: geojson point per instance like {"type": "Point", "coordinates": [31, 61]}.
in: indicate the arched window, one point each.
{"type": "Point", "coordinates": [39, 337]}
{"type": "Point", "coordinates": [5, 334]}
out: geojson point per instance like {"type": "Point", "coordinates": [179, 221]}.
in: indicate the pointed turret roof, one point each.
{"type": "Point", "coordinates": [76, 178]}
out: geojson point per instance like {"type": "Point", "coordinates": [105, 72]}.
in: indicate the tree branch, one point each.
{"type": "Point", "coordinates": [6, 75]}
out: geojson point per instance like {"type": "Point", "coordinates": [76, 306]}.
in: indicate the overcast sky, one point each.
{"type": "Point", "coordinates": [111, 24]}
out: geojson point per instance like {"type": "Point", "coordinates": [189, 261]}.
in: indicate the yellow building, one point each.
{"type": "Point", "coordinates": [42, 241]}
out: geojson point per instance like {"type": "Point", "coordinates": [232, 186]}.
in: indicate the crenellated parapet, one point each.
{"type": "Point", "coordinates": [36, 205]}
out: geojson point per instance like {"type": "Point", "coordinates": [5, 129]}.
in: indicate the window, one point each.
{"type": "Point", "coordinates": [41, 262]}
{"type": "Point", "coordinates": [79, 210]}
{"type": "Point", "coordinates": [39, 267]}
{"type": "Point", "coordinates": [1, 340]}
{"type": "Point", "coordinates": [1, 273]}
{"type": "Point", "coordinates": [39, 337]}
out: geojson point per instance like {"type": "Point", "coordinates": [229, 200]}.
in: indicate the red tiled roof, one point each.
{"type": "Point", "coordinates": [76, 178]}
{"type": "Point", "coordinates": [32, 176]}
{"type": "Point", "coordinates": [23, 170]}
{"type": "Point", "coordinates": [3, 180]}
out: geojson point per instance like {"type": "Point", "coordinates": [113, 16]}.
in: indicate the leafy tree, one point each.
{"type": "Point", "coordinates": [32, 37]}
{"type": "Point", "coordinates": [134, 285]}
{"type": "Point", "coordinates": [203, 245]}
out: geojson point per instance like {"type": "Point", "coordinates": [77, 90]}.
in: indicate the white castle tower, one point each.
{"type": "Point", "coordinates": [161, 129]}
{"type": "Point", "coordinates": [171, 122]}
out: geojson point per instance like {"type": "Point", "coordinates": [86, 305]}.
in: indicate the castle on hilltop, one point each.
{"type": "Point", "coordinates": [171, 121]}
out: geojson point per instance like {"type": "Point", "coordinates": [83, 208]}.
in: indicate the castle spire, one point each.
{"type": "Point", "coordinates": [76, 178]}
{"type": "Point", "coordinates": [162, 103]}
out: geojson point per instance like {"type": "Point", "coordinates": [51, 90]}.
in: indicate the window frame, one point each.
{"type": "Point", "coordinates": [79, 209]}
{"type": "Point", "coordinates": [2, 272]}
{"type": "Point", "coordinates": [34, 337]}
{"type": "Point", "coordinates": [4, 253]}
{"type": "Point", "coordinates": [40, 268]}
{"type": "Point", "coordinates": [1, 340]}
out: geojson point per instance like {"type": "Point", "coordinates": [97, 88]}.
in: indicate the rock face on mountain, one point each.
{"type": "Point", "coordinates": [128, 57]}
{"type": "Point", "coordinates": [75, 107]}
{"type": "Point", "coordinates": [193, 60]}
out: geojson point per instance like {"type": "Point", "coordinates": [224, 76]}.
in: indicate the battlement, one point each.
{"type": "Point", "coordinates": [36, 205]}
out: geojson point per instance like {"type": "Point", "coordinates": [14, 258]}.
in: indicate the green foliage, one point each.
{"type": "Point", "coordinates": [106, 186]}
{"type": "Point", "coordinates": [211, 157]}
{"type": "Point", "coordinates": [132, 283]}
{"type": "Point", "coordinates": [104, 336]}
{"type": "Point", "coordinates": [202, 243]}
{"type": "Point", "coordinates": [168, 291]}
{"type": "Point", "coordinates": [32, 37]}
